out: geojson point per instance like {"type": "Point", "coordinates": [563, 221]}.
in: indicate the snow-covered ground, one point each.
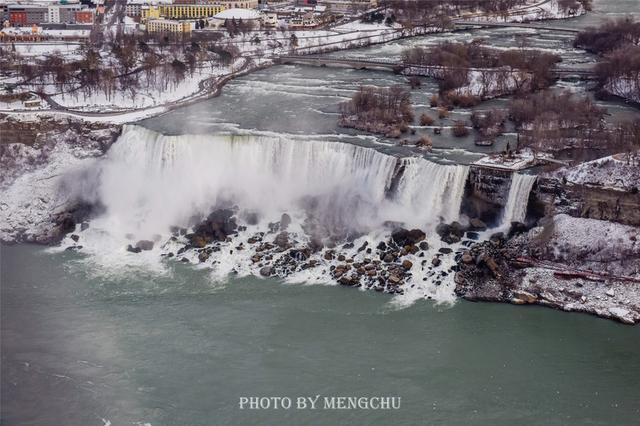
{"type": "Point", "coordinates": [536, 11]}
{"type": "Point", "coordinates": [143, 97]}
{"type": "Point", "coordinates": [592, 243]}
{"type": "Point", "coordinates": [522, 160]}
{"type": "Point", "coordinates": [578, 244]}
{"type": "Point", "coordinates": [618, 172]}
{"type": "Point", "coordinates": [483, 83]}
{"type": "Point", "coordinates": [67, 49]}
{"type": "Point", "coordinates": [345, 36]}
{"type": "Point", "coordinates": [36, 181]}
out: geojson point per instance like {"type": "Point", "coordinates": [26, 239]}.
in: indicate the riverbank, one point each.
{"type": "Point", "coordinates": [566, 263]}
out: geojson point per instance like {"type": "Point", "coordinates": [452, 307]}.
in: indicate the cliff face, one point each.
{"type": "Point", "coordinates": [488, 190]}
{"type": "Point", "coordinates": [587, 201]}
{"type": "Point", "coordinates": [36, 154]}
{"type": "Point", "coordinates": [487, 193]}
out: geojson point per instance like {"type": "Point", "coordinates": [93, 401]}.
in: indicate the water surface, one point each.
{"type": "Point", "coordinates": [181, 350]}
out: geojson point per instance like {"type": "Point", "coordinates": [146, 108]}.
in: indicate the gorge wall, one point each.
{"type": "Point", "coordinates": [553, 196]}
{"type": "Point", "coordinates": [488, 195]}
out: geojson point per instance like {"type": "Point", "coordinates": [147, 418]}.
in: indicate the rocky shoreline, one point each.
{"type": "Point", "coordinates": [386, 265]}
{"type": "Point", "coordinates": [530, 268]}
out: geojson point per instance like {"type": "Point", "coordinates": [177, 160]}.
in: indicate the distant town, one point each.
{"type": "Point", "coordinates": [74, 19]}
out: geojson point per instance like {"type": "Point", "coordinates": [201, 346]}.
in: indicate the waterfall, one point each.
{"type": "Point", "coordinates": [518, 199]}
{"type": "Point", "coordinates": [427, 188]}
{"type": "Point", "coordinates": [149, 182]}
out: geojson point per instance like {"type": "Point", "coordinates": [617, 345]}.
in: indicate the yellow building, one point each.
{"type": "Point", "coordinates": [237, 4]}
{"type": "Point", "coordinates": [181, 11]}
{"type": "Point", "coordinates": [168, 26]}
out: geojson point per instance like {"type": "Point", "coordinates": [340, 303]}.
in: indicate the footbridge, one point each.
{"type": "Point", "coordinates": [528, 25]}
{"type": "Point", "coordinates": [408, 69]}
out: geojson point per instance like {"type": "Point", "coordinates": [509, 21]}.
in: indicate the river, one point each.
{"type": "Point", "coordinates": [177, 350]}
{"type": "Point", "coordinates": [82, 346]}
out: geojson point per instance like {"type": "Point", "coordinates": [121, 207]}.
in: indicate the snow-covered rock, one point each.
{"type": "Point", "coordinates": [617, 171]}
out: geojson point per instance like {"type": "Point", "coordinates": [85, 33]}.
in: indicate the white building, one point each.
{"type": "Point", "coordinates": [244, 15]}
{"type": "Point", "coordinates": [63, 13]}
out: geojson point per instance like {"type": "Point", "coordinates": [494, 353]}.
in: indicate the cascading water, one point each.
{"type": "Point", "coordinates": [518, 199]}
{"type": "Point", "coordinates": [149, 182]}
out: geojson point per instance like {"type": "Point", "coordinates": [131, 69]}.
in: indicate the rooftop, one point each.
{"type": "Point", "coordinates": [247, 14]}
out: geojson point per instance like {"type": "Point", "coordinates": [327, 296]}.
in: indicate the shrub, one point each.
{"type": "Point", "coordinates": [434, 101]}
{"type": "Point", "coordinates": [489, 123]}
{"type": "Point", "coordinates": [387, 106]}
{"type": "Point", "coordinates": [459, 129]}
{"type": "Point", "coordinates": [426, 120]}
{"type": "Point", "coordinates": [610, 36]}
{"type": "Point", "coordinates": [464, 100]}
{"type": "Point", "coordinates": [425, 143]}
{"type": "Point", "coordinates": [443, 113]}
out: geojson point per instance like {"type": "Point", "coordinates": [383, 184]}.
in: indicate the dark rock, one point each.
{"type": "Point", "coordinates": [407, 264]}
{"type": "Point", "coordinates": [394, 279]}
{"type": "Point", "coordinates": [403, 237]}
{"type": "Point", "coordinates": [198, 241]}
{"type": "Point", "coordinates": [458, 229]}
{"type": "Point", "coordinates": [300, 255]}
{"type": "Point", "coordinates": [285, 221]}
{"type": "Point", "coordinates": [517, 228]}
{"type": "Point", "coordinates": [145, 245]}
{"type": "Point", "coordinates": [346, 281]}
{"type": "Point", "coordinates": [75, 237]}
{"type": "Point", "coordinates": [445, 250]}
{"type": "Point", "coordinates": [443, 229]}
{"type": "Point", "coordinates": [282, 240]}
{"type": "Point", "coordinates": [473, 235]}
{"type": "Point", "coordinates": [266, 271]}
{"type": "Point", "coordinates": [203, 256]}
{"type": "Point", "coordinates": [477, 225]}
{"type": "Point", "coordinates": [436, 261]}
{"type": "Point", "coordinates": [382, 246]}
{"type": "Point", "coordinates": [133, 249]}
{"type": "Point", "coordinates": [424, 245]}
{"type": "Point", "coordinates": [84, 226]}
{"type": "Point", "coordinates": [451, 239]}
{"type": "Point", "coordinates": [498, 236]}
